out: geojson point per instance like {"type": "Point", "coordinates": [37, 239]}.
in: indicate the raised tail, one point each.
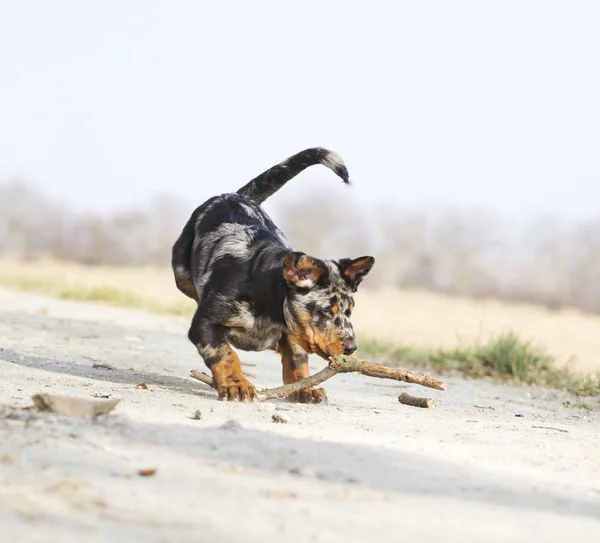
{"type": "Point", "coordinates": [269, 182]}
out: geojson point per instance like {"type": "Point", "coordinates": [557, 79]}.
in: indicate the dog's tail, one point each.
{"type": "Point", "coordinates": [269, 182]}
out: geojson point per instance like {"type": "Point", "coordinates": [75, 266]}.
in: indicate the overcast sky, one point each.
{"type": "Point", "coordinates": [492, 104]}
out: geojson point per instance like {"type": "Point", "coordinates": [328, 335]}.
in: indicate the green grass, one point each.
{"type": "Point", "coordinates": [504, 358]}
{"type": "Point", "coordinates": [62, 290]}
{"type": "Point", "coordinates": [579, 405]}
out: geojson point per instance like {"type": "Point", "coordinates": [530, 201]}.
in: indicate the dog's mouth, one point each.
{"type": "Point", "coordinates": [322, 353]}
{"type": "Point", "coordinates": [313, 348]}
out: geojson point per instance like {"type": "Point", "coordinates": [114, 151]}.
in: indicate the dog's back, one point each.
{"type": "Point", "coordinates": [223, 235]}
{"type": "Point", "coordinates": [232, 229]}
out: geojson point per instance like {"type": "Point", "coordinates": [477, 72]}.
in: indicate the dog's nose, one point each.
{"type": "Point", "coordinates": [350, 346]}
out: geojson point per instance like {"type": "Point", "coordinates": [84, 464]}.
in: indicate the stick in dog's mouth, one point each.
{"type": "Point", "coordinates": [338, 364]}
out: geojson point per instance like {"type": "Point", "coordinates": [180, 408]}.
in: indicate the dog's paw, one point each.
{"type": "Point", "coordinates": [236, 389]}
{"type": "Point", "coordinates": [309, 395]}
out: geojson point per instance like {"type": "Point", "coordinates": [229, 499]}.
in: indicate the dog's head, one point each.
{"type": "Point", "coordinates": [320, 302]}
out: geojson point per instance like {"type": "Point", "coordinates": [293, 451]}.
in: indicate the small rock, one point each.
{"type": "Point", "coordinates": [143, 386]}
{"type": "Point", "coordinates": [280, 417]}
{"type": "Point", "coordinates": [147, 472]}
{"type": "Point", "coordinates": [196, 415]}
{"type": "Point", "coordinates": [72, 406]}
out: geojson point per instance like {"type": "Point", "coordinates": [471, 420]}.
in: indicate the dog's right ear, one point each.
{"type": "Point", "coordinates": [303, 271]}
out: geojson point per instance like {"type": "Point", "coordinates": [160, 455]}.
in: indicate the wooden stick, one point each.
{"type": "Point", "coordinates": [344, 364]}
{"type": "Point", "coordinates": [337, 364]}
{"type": "Point", "coordinates": [407, 399]}
{"type": "Point", "coordinates": [279, 392]}
{"type": "Point", "coordinates": [201, 376]}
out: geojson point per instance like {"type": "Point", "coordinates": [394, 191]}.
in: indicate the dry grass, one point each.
{"type": "Point", "coordinates": [145, 288]}
{"type": "Point", "coordinates": [427, 320]}
{"type": "Point", "coordinates": [429, 323]}
{"type": "Point", "coordinates": [63, 290]}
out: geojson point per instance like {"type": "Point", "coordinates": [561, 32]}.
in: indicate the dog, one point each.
{"type": "Point", "coordinates": [255, 293]}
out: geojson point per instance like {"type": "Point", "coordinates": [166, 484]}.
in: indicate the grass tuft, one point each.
{"type": "Point", "coordinates": [505, 358]}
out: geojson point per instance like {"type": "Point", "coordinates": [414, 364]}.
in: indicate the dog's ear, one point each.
{"type": "Point", "coordinates": [303, 271]}
{"type": "Point", "coordinates": [354, 271]}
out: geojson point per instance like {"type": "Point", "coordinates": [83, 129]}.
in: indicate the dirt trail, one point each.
{"type": "Point", "coordinates": [490, 463]}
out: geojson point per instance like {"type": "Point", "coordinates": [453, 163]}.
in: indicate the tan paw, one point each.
{"type": "Point", "coordinates": [236, 389]}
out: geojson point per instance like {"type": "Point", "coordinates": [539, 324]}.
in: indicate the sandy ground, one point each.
{"type": "Point", "coordinates": [490, 463]}
{"type": "Point", "coordinates": [412, 317]}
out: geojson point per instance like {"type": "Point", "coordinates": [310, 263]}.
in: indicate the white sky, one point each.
{"type": "Point", "coordinates": [437, 103]}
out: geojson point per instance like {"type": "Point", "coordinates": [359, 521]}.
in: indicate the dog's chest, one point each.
{"type": "Point", "coordinates": [251, 333]}
{"type": "Point", "coordinates": [255, 339]}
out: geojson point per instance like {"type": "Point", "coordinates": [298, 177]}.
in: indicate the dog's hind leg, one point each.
{"type": "Point", "coordinates": [221, 359]}
{"type": "Point", "coordinates": [181, 261]}
{"type": "Point", "coordinates": [185, 283]}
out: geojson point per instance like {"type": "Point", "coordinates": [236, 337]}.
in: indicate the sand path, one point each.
{"type": "Point", "coordinates": [490, 463]}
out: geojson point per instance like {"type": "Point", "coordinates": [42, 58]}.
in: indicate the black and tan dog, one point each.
{"type": "Point", "coordinates": [255, 293]}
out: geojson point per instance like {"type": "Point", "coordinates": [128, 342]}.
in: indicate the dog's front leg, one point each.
{"type": "Point", "coordinates": [222, 361]}
{"type": "Point", "coordinates": [294, 362]}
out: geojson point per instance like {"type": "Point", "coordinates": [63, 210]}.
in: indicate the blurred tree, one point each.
{"type": "Point", "coordinates": [458, 252]}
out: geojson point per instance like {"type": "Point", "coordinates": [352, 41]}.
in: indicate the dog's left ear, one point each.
{"type": "Point", "coordinates": [303, 271]}
{"type": "Point", "coordinates": [354, 271]}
